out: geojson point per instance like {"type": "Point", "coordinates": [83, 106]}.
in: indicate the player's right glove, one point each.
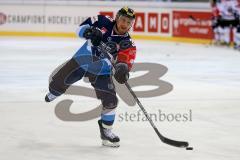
{"type": "Point", "coordinates": [94, 34]}
{"type": "Point", "coordinates": [121, 72]}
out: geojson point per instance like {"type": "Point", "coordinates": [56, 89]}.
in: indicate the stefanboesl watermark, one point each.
{"type": "Point", "coordinates": [151, 77]}
{"type": "Point", "coordinates": [158, 116]}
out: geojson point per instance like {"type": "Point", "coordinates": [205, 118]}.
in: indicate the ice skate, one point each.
{"type": "Point", "coordinates": [50, 97]}
{"type": "Point", "coordinates": [108, 137]}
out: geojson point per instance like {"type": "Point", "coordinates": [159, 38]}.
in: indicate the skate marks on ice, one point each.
{"type": "Point", "coordinates": [205, 79]}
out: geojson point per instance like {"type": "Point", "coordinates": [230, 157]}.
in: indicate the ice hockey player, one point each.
{"type": "Point", "coordinates": [91, 61]}
{"type": "Point", "coordinates": [216, 21]}
{"type": "Point", "coordinates": [228, 20]}
{"type": "Point", "coordinates": [236, 31]}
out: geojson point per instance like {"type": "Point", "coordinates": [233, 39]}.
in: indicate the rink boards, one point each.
{"type": "Point", "coordinates": [183, 22]}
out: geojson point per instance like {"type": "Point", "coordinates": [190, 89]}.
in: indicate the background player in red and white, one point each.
{"type": "Point", "coordinates": [216, 22]}
{"type": "Point", "coordinates": [90, 61]}
{"type": "Point", "coordinates": [228, 20]}
{"type": "Point", "coordinates": [237, 28]}
{"type": "Point", "coordinates": [226, 16]}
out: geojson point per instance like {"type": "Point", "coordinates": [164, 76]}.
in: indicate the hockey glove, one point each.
{"type": "Point", "coordinates": [121, 72]}
{"type": "Point", "coordinates": [94, 34]}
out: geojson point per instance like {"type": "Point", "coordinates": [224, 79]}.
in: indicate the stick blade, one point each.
{"type": "Point", "coordinates": [181, 144]}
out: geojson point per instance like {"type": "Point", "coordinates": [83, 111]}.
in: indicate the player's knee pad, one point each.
{"type": "Point", "coordinates": [110, 101]}
{"type": "Point", "coordinates": [105, 91]}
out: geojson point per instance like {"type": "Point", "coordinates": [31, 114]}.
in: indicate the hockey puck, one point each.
{"type": "Point", "coordinates": [189, 148]}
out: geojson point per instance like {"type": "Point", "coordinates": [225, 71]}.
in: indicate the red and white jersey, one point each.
{"type": "Point", "coordinates": [227, 8]}
{"type": "Point", "coordinates": [237, 7]}
{"type": "Point", "coordinates": [215, 11]}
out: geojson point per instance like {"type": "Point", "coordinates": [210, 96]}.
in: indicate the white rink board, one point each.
{"type": "Point", "coordinates": [64, 16]}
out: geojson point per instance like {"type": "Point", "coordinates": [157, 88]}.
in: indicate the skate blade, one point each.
{"type": "Point", "coordinates": [110, 144]}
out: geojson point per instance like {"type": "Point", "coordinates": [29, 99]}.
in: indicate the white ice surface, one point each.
{"type": "Point", "coordinates": [206, 80]}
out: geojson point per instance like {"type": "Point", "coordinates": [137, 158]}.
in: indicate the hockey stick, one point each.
{"type": "Point", "coordinates": [198, 19]}
{"type": "Point", "coordinates": [164, 139]}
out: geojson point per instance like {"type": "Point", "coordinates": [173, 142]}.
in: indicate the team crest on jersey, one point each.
{"type": "Point", "coordinates": [109, 39]}
{"type": "Point", "coordinates": [103, 30]}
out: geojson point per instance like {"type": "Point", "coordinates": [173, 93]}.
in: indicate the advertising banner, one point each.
{"type": "Point", "coordinates": [65, 19]}
{"type": "Point", "coordinates": [59, 19]}
{"type": "Point", "coordinates": [191, 24]}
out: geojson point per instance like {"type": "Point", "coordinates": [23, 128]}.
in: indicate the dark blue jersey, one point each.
{"type": "Point", "coordinates": [106, 24]}
{"type": "Point", "coordinates": [119, 44]}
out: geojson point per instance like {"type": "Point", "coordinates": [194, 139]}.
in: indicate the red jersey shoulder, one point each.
{"type": "Point", "coordinates": [128, 53]}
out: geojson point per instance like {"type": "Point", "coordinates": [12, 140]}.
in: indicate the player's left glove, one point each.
{"type": "Point", "coordinates": [121, 72]}
{"type": "Point", "coordinates": [94, 34]}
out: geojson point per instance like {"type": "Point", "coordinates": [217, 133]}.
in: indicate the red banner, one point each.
{"type": "Point", "coordinates": [165, 23]}
{"type": "Point", "coordinates": [192, 24]}
{"type": "Point", "coordinates": [152, 22]}
{"type": "Point", "coordinates": [139, 25]}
